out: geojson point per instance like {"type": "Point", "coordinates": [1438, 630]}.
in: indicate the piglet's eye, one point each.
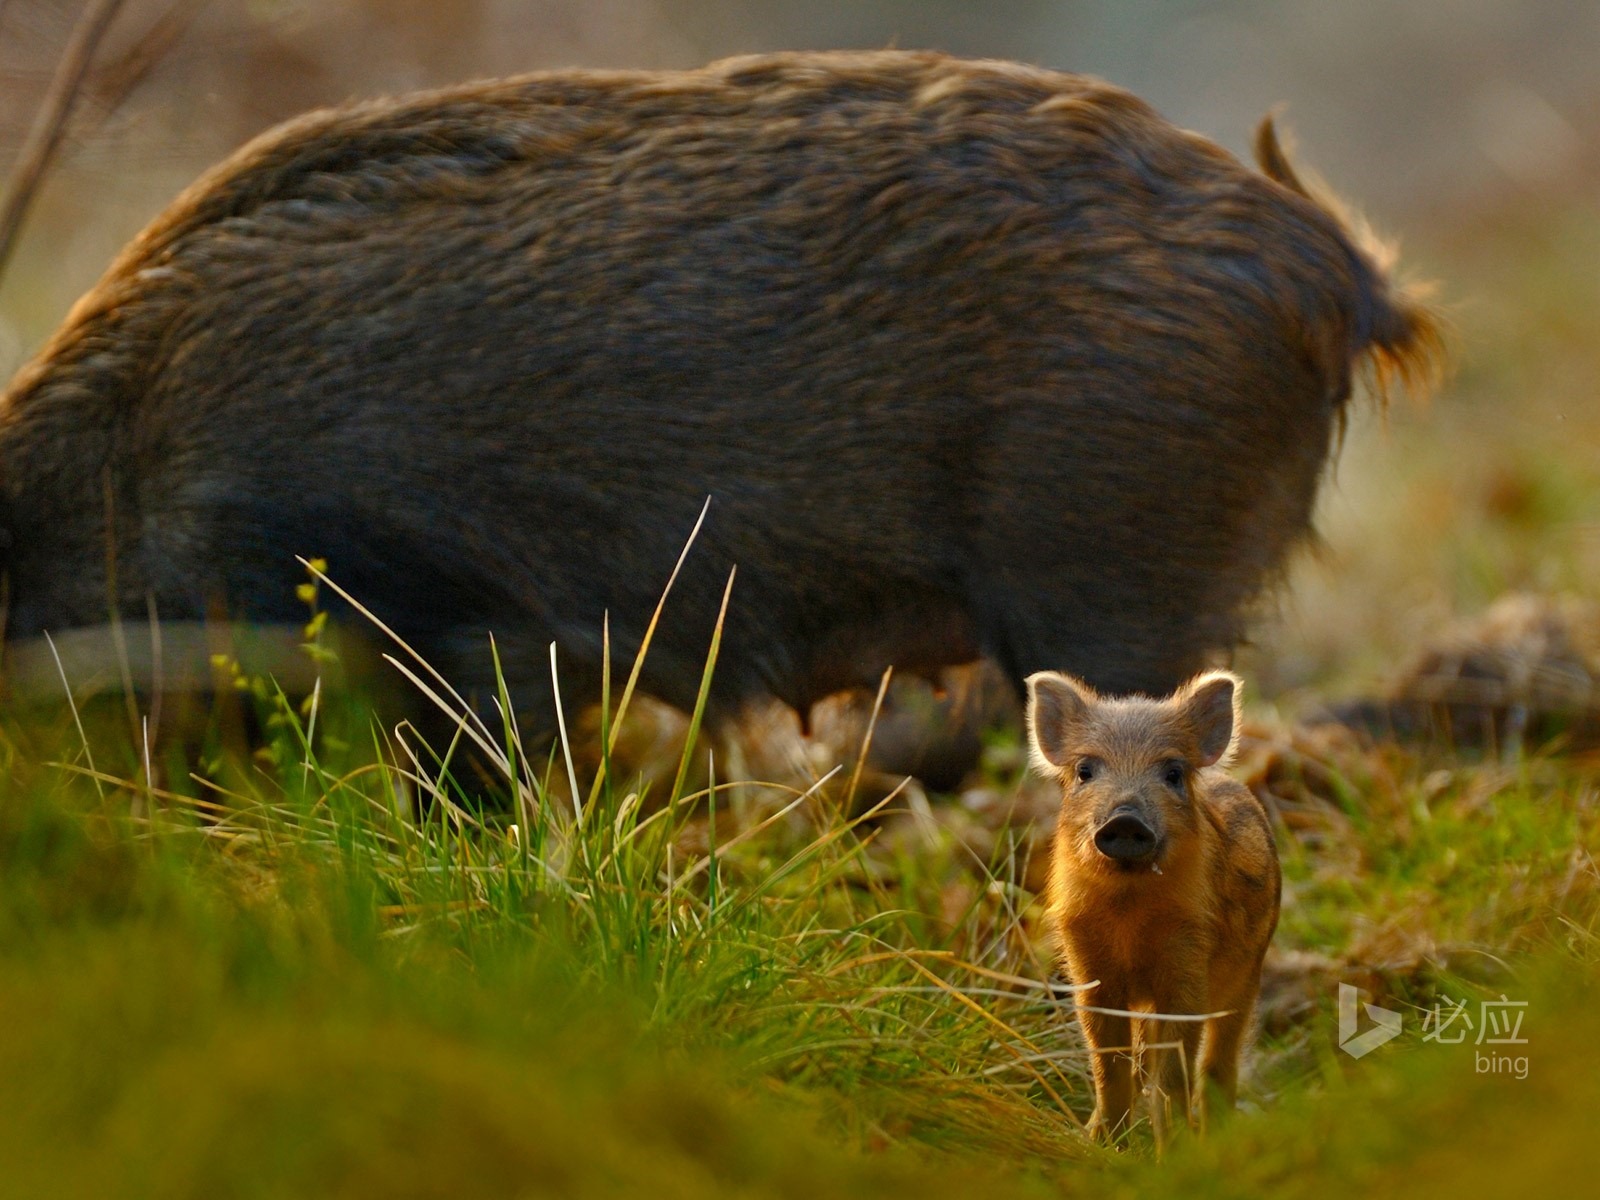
{"type": "Point", "coordinates": [1086, 769]}
{"type": "Point", "coordinates": [1172, 775]}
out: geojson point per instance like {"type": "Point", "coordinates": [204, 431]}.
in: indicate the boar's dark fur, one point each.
{"type": "Point", "coordinates": [970, 357]}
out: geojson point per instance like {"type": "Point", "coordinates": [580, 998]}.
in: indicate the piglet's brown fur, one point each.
{"type": "Point", "coordinates": [1164, 886]}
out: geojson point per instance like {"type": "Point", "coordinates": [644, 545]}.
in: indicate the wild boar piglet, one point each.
{"type": "Point", "coordinates": [1164, 886]}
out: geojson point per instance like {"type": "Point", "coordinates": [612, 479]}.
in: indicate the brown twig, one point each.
{"type": "Point", "coordinates": [44, 139]}
{"type": "Point", "coordinates": [118, 79]}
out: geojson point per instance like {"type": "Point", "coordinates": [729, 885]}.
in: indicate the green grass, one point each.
{"type": "Point", "coordinates": [301, 988]}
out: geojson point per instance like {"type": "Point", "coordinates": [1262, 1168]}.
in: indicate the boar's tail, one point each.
{"type": "Point", "coordinates": [1398, 335]}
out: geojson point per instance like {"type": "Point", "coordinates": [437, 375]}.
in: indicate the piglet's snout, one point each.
{"type": "Point", "coordinates": [1126, 837]}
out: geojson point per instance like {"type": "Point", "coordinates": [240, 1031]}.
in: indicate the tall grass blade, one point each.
{"type": "Point", "coordinates": [566, 744]}
{"type": "Point", "coordinates": [705, 691]}
{"type": "Point", "coordinates": [77, 718]}
{"type": "Point", "coordinates": [866, 740]}
{"type": "Point", "coordinates": [650, 629]}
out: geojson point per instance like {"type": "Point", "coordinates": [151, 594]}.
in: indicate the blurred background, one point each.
{"type": "Point", "coordinates": [1469, 128]}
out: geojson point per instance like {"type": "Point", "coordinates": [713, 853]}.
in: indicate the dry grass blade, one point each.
{"type": "Point", "coordinates": [516, 754]}
{"type": "Point", "coordinates": [623, 836]}
{"type": "Point", "coordinates": [77, 719]}
{"type": "Point", "coordinates": [994, 993]}
{"type": "Point", "coordinates": [118, 79]}
{"type": "Point", "coordinates": [148, 790]}
{"type": "Point", "coordinates": [566, 744]}
{"type": "Point", "coordinates": [311, 731]}
{"type": "Point", "coordinates": [435, 785]}
{"type": "Point", "coordinates": [177, 798]}
{"type": "Point", "coordinates": [50, 125]}
{"type": "Point", "coordinates": [606, 722]}
{"type": "Point", "coordinates": [988, 1016]}
{"type": "Point", "coordinates": [866, 739]}
{"type": "Point", "coordinates": [157, 665]}
{"type": "Point", "coordinates": [818, 844]}
{"type": "Point", "coordinates": [1154, 1016]}
{"type": "Point", "coordinates": [650, 630]}
{"type": "Point", "coordinates": [1049, 1056]}
{"type": "Point", "coordinates": [390, 912]}
{"type": "Point", "coordinates": [239, 798]}
{"type": "Point", "coordinates": [757, 829]}
{"type": "Point", "coordinates": [699, 713]}
{"type": "Point", "coordinates": [462, 711]}
{"type": "Point", "coordinates": [467, 721]}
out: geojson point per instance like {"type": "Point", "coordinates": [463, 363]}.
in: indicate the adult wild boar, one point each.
{"type": "Point", "coordinates": [969, 357]}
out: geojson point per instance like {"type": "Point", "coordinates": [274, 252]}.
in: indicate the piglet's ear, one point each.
{"type": "Point", "coordinates": [1057, 707]}
{"type": "Point", "coordinates": [1210, 706]}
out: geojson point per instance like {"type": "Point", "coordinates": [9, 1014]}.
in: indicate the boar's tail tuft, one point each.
{"type": "Point", "coordinates": [1399, 336]}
